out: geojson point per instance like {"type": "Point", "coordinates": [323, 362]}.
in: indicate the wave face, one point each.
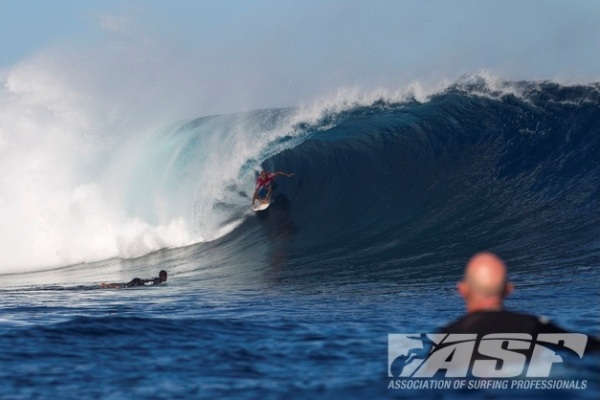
{"type": "Point", "coordinates": [381, 178]}
{"type": "Point", "coordinates": [513, 168]}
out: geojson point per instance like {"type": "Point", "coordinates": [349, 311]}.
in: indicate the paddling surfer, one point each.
{"type": "Point", "coordinates": [162, 277]}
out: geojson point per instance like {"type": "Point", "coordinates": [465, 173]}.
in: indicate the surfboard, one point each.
{"type": "Point", "coordinates": [260, 205]}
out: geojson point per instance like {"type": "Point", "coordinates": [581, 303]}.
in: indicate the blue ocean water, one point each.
{"type": "Point", "coordinates": [388, 201]}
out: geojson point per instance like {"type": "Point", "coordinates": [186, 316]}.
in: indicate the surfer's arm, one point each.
{"type": "Point", "coordinates": [283, 173]}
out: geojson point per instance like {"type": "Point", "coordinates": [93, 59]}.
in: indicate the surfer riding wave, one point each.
{"type": "Point", "coordinates": [263, 183]}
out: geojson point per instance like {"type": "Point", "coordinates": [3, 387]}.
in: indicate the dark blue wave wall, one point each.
{"type": "Point", "coordinates": [470, 169]}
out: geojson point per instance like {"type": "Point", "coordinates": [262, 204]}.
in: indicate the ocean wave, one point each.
{"type": "Point", "coordinates": [478, 162]}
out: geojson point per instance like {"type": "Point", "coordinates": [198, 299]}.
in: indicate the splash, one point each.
{"type": "Point", "coordinates": [57, 205]}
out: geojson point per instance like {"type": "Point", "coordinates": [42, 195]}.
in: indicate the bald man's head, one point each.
{"type": "Point", "coordinates": [484, 285]}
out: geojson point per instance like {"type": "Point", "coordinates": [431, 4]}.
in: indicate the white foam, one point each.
{"type": "Point", "coordinates": [56, 205]}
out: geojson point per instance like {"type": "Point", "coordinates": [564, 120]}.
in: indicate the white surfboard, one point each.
{"type": "Point", "coordinates": [260, 205]}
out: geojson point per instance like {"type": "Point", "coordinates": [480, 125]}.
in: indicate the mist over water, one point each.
{"type": "Point", "coordinates": [69, 149]}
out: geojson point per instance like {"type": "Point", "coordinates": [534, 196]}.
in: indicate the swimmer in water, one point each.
{"type": "Point", "coordinates": [162, 277]}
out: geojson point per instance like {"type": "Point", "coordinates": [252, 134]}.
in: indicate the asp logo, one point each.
{"type": "Point", "coordinates": [498, 355]}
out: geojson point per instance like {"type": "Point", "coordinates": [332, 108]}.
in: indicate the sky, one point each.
{"type": "Point", "coordinates": [266, 53]}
